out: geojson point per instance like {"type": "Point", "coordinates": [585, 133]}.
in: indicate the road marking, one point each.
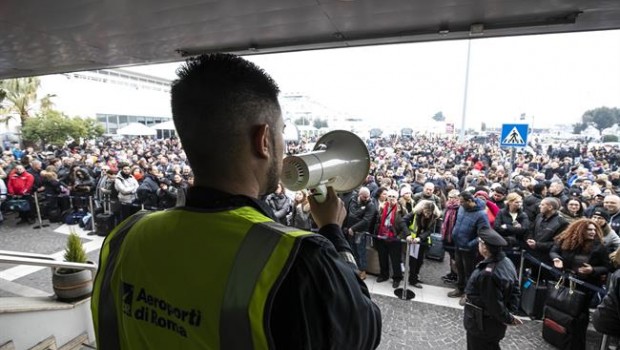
{"type": "Point", "coordinates": [18, 272]}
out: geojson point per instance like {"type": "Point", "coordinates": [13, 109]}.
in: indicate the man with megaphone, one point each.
{"type": "Point", "coordinates": [219, 272]}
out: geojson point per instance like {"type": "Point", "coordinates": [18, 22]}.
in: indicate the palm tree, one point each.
{"type": "Point", "coordinates": [21, 93]}
{"type": "Point", "coordinates": [4, 118]}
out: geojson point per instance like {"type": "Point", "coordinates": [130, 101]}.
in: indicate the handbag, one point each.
{"type": "Point", "coordinates": [20, 205]}
{"type": "Point", "coordinates": [566, 299]}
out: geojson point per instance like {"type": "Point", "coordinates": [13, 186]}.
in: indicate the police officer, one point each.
{"type": "Point", "coordinates": [220, 272]}
{"type": "Point", "coordinates": [492, 293]}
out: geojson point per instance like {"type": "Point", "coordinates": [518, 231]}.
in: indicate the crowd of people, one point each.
{"type": "Point", "coordinates": [123, 176]}
{"type": "Point", "coordinates": [559, 204]}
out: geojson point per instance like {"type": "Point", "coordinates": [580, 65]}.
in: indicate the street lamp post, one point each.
{"type": "Point", "coordinates": [464, 113]}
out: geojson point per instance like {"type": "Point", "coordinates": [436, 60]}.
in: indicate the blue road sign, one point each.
{"type": "Point", "coordinates": [514, 135]}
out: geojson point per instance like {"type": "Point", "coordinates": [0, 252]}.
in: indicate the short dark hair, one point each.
{"type": "Point", "coordinates": [539, 187]}
{"type": "Point", "coordinates": [216, 99]}
{"type": "Point", "coordinates": [466, 195]}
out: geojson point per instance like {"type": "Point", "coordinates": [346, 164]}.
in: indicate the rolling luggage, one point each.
{"type": "Point", "coordinates": [436, 251]}
{"type": "Point", "coordinates": [372, 259]}
{"type": "Point", "coordinates": [533, 294]}
{"type": "Point", "coordinates": [105, 222]}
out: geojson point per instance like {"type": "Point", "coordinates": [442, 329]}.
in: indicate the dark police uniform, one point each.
{"type": "Point", "coordinates": [492, 293]}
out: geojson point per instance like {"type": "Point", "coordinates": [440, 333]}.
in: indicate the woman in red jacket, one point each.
{"type": "Point", "coordinates": [20, 184]}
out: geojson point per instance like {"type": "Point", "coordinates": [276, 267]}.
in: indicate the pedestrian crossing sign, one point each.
{"type": "Point", "coordinates": [514, 135]}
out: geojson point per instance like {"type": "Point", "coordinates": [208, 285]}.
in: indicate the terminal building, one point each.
{"type": "Point", "coordinates": [115, 97]}
{"type": "Point", "coordinates": [118, 97]}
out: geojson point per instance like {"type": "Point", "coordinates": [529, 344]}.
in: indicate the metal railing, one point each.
{"type": "Point", "coordinates": [22, 258]}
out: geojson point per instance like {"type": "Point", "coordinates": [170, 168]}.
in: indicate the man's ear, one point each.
{"type": "Point", "coordinates": [260, 141]}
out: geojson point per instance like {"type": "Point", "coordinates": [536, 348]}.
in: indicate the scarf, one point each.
{"type": "Point", "coordinates": [390, 211]}
{"type": "Point", "coordinates": [452, 208]}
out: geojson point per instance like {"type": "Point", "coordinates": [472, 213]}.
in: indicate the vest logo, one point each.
{"type": "Point", "coordinates": [158, 311]}
{"type": "Point", "coordinates": [127, 298]}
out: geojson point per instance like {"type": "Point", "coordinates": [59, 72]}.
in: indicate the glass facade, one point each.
{"type": "Point", "coordinates": [113, 122]}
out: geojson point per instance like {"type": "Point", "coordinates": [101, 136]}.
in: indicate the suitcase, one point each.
{"type": "Point", "coordinates": [436, 251]}
{"type": "Point", "coordinates": [372, 260]}
{"type": "Point", "coordinates": [533, 297]}
{"type": "Point", "coordinates": [561, 329]}
{"type": "Point", "coordinates": [104, 224]}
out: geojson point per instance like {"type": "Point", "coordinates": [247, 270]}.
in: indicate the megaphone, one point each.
{"type": "Point", "coordinates": [339, 159]}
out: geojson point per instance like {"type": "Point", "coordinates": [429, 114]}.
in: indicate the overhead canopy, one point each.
{"type": "Point", "coordinates": [42, 37]}
{"type": "Point", "coordinates": [169, 125]}
{"type": "Point", "coordinates": [136, 129]}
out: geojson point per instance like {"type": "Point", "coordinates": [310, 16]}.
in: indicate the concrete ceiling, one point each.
{"type": "Point", "coordinates": [42, 37]}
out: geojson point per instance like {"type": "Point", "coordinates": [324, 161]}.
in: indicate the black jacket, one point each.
{"type": "Point", "coordinates": [597, 258]}
{"type": "Point", "coordinates": [321, 303]}
{"type": "Point", "coordinates": [543, 232]}
{"type": "Point", "coordinates": [281, 206]}
{"type": "Point", "coordinates": [530, 206]}
{"type": "Point", "coordinates": [494, 287]}
{"type": "Point", "coordinates": [515, 236]}
{"type": "Point", "coordinates": [606, 317]}
{"type": "Point", "coordinates": [360, 215]}
{"type": "Point", "coordinates": [147, 192]}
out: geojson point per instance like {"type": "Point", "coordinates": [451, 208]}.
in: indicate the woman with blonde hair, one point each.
{"type": "Point", "coordinates": [513, 224]}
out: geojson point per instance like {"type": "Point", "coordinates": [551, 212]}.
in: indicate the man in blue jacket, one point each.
{"type": "Point", "coordinates": [470, 219]}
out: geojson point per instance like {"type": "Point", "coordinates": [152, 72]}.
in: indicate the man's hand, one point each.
{"type": "Point", "coordinates": [558, 264]}
{"type": "Point", "coordinates": [531, 243]}
{"type": "Point", "coordinates": [329, 212]}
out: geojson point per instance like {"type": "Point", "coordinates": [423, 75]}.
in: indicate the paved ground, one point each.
{"type": "Point", "coordinates": [430, 321]}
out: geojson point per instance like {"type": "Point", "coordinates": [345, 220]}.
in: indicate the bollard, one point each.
{"type": "Point", "coordinates": [404, 293]}
{"type": "Point", "coordinates": [36, 204]}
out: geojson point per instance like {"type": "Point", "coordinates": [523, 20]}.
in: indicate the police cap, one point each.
{"type": "Point", "coordinates": [491, 237]}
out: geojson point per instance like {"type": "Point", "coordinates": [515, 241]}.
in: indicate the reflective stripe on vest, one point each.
{"type": "Point", "coordinates": [239, 320]}
{"type": "Point", "coordinates": [235, 325]}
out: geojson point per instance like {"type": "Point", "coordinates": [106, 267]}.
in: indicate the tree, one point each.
{"type": "Point", "coordinates": [21, 93]}
{"type": "Point", "coordinates": [439, 117]}
{"type": "Point", "coordinates": [579, 127]}
{"type": "Point", "coordinates": [601, 118]}
{"type": "Point", "coordinates": [5, 118]}
{"type": "Point", "coordinates": [52, 127]}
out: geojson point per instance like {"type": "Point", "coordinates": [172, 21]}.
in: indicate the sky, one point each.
{"type": "Point", "coordinates": [552, 79]}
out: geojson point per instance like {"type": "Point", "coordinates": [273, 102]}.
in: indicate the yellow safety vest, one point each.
{"type": "Point", "coordinates": [413, 228]}
{"type": "Point", "coordinates": [187, 279]}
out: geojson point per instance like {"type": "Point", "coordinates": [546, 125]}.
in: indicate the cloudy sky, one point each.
{"type": "Point", "coordinates": [553, 79]}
